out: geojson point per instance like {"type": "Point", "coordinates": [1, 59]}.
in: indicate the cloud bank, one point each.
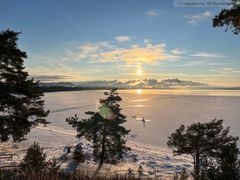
{"type": "Point", "coordinates": [103, 52]}
{"type": "Point", "coordinates": [134, 84]}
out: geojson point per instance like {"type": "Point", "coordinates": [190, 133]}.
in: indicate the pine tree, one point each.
{"type": "Point", "coordinates": [34, 159]}
{"type": "Point", "coordinates": [21, 106]}
{"type": "Point", "coordinates": [230, 18]}
{"type": "Point", "coordinates": [104, 129]}
{"type": "Point", "coordinates": [227, 164]}
{"type": "Point", "coordinates": [214, 151]}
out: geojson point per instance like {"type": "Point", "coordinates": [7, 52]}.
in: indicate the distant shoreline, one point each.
{"type": "Point", "coordinates": [63, 88]}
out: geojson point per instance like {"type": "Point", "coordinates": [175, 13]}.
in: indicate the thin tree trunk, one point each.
{"type": "Point", "coordinates": [102, 155]}
{"type": "Point", "coordinates": [197, 167]}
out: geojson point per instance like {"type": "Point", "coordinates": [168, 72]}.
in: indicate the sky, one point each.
{"type": "Point", "coordinates": [85, 40]}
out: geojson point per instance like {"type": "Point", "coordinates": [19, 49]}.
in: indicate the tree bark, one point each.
{"type": "Point", "coordinates": [101, 161]}
{"type": "Point", "coordinates": [197, 167]}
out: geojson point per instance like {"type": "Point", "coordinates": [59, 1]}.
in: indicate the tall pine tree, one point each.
{"type": "Point", "coordinates": [104, 129]}
{"type": "Point", "coordinates": [21, 106]}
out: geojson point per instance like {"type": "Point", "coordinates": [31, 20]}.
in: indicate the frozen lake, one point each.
{"type": "Point", "coordinates": [166, 109]}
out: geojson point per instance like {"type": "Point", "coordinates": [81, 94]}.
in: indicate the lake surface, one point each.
{"type": "Point", "coordinates": [166, 110]}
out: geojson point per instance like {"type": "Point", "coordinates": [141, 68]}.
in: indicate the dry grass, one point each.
{"type": "Point", "coordinates": [77, 175]}
{"type": "Point", "coordinates": [85, 173]}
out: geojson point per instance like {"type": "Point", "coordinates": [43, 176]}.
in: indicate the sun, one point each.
{"type": "Point", "coordinates": [139, 72]}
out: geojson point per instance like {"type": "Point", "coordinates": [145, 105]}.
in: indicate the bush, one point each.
{"type": "Point", "coordinates": [35, 158]}
{"type": "Point", "coordinates": [53, 165]}
{"type": "Point", "coordinates": [183, 175]}
{"type": "Point", "coordinates": [78, 155]}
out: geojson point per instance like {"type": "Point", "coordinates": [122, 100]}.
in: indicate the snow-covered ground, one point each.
{"type": "Point", "coordinates": [54, 139]}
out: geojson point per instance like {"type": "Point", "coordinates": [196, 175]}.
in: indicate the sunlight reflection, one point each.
{"type": "Point", "coordinates": [139, 91]}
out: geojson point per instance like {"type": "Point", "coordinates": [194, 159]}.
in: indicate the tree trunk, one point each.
{"type": "Point", "coordinates": [101, 161]}
{"type": "Point", "coordinates": [197, 167]}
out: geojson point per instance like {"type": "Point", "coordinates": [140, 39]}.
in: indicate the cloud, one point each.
{"type": "Point", "coordinates": [178, 51]}
{"type": "Point", "coordinates": [147, 41]}
{"type": "Point", "coordinates": [140, 83]}
{"type": "Point", "coordinates": [106, 52]}
{"type": "Point", "coordinates": [147, 54]}
{"type": "Point", "coordinates": [152, 13]}
{"type": "Point", "coordinates": [122, 38]}
{"type": "Point", "coordinates": [55, 71]}
{"type": "Point", "coordinates": [232, 70]}
{"type": "Point", "coordinates": [227, 69]}
{"type": "Point", "coordinates": [88, 51]}
{"type": "Point", "coordinates": [177, 82]}
{"type": "Point", "coordinates": [194, 63]}
{"type": "Point", "coordinates": [207, 55]}
{"type": "Point", "coordinates": [216, 64]}
{"type": "Point", "coordinates": [47, 78]}
{"type": "Point", "coordinates": [196, 18]}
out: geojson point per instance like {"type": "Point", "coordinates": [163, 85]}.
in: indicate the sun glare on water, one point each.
{"type": "Point", "coordinates": [139, 91]}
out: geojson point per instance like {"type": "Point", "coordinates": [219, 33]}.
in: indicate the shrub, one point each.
{"type": "Point", "coordinates": [78, 155]}
{"type": "Point", "coordinates": [35, 158]}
